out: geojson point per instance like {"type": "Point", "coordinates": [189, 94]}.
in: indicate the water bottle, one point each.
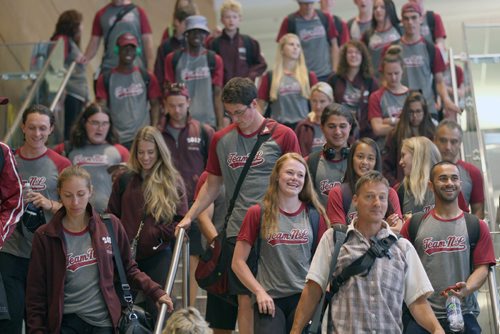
{"type": "Point", "coordinates": [29, 207]}
{"type": "Point", "coordinates": [32, 217]}
{"type": "Point", "coordinates": [454, 313]}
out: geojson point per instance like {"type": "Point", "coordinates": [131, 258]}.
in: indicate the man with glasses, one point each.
{"type": "Point", "coordinates": [228, 153]}
{"type": "Point", "coordinates": [445, 244]}
{"type": "Point", "coordinates": [423, 62]}
{"type": "Point", "coordinates": [128, 90]}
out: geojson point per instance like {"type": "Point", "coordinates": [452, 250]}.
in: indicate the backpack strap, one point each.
{"type": "Point", "coordinates": [314, 221]}
{"type": "Point", "coordinates": [123, 182]}
{"type": "Point", "coordinates": [415, 221]}
{"type": "Point", "coordinates": [338, 26]}
{"type": "Point", "coordinates": [292, 23]}
{"type": "Point", "coordinates": [431, 22]}
{"type": "Point", "coordinates": [204, 143]}
{"type": "Point", "coordinates": [401, 194]}
{"type": "Point", "coordinates": [473, 230]}
{"type": "Point", "coordinates": [123, 11]}
{"type": "Point", "coordinates": [269, 74]}
{"type": "Point", "coordinates": [2, 159]}
{"type": "Point", "coordinates": [175, 59]}
{"type": "Point", "coordinates": [250, 55]}
{"type": "Point", "coordinates": [346, 196]}
{"type": "Point", "coordinates": [312, 164]}
{"type": "Point", "coordinates": [215, 45]}
{"type": "Point", "coordinates": [339, 238]}
{"type": "Point", "coordinates": [431, 51]}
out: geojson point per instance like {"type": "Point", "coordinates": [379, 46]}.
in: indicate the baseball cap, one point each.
{"type": "Point", "coordinates": [197, 22]}
{"type": "Point", "coordinates": [127, 39]}
{"type": "Point", "coordinates": [4, 100]}
{"type": "Point", "coordinates": [411, 7]}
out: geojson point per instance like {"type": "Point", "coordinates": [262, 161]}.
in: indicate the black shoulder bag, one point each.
{"type": "Point", "coordinates": [211, 272]}
{"type": "Point", "coordinates": [134, 320]}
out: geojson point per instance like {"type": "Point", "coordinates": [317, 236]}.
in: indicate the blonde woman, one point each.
{"type": "Point", "coordinates": [286, 89]}
{"type": "Point", "coordinates": [284, 236]}
{"type": "Point", "coordinates": [187, 321]}
{"type": "Point", "coordinates": [418, 155]}
{"type": "Point", "coordinates": [148, 199]}
{"type": "Point", "coordinates": [308, 131]}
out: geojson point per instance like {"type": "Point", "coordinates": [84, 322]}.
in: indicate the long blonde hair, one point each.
{"type": "Point", "coordinates": [270, 201]}
{"type": "Point", "coordinates": [163, 186]}
{"type": "Point", "coordinates": [424, 155]}
{"type": "Point", "coordinates": [300, 71]}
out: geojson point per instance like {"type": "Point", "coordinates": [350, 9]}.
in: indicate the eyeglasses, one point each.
{"type": "Point", "coordinates": [237, 113]}
{"type": "Point", "coordinates": [97, 124]}
{"type": "Point", "coordinates": [415, 112]}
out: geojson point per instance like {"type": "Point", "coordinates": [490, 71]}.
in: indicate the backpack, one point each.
{"type": "Point", "coordinates": [204, 143]}
{"type": "Point", "coordinates": [431, 22]}
{"type": "Point", "coordinates": [269, 75]}
{"type": "Point", "coordinates": [471, 221]}
{"type": "Point", "coordinates": [312, 164]}
{"type": "Point", "coordinates": [210, 60]}
{"type": "Point", "coordinates": [251, 58]}
{"type": "Point", "coordinates": [292, 23]}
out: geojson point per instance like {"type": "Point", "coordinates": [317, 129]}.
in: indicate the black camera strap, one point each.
{"type": "Point", "coordinates": [378, 249]}
{"type": "Point", "coordinates": [127, 296]}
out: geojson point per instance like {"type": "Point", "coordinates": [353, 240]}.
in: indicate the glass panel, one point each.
{"type": "Point", "coordinates": [26, 80]}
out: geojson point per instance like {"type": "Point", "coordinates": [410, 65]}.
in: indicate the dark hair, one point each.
{"type": "Point", "coordinates": [372, 177]}
{"type": "Point", "coordinates": [336, 109]}
{"type": "Point", "coordinates": [392, 55]}
{"type": "Point", "coordinates": [68, 24]}
{"type": "Point", "coordinates": [78, 136]}
{"type": "Point", "coordinates": [239, 91]}
{"type": "Point", "coordinates": [403, 128]}
{"type": "Point", "coordinates": [39, 109]}
{"type": "Point", "coordinates": [181, 13]}
{"type": "Point", "coordinates": [350, 176]}
{"type": "Point", "coordinates": [366, 67]}
{"type": "Point", "coordinates": [441, 163]}
{"type": "Point", "coordinates": [452, 125]}
{"type": "Point", "coordinates": [390, 12]}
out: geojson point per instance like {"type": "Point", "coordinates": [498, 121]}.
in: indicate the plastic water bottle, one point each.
{"type": "Point", "coordinates": [454, 313]}
{"type": "Point", "coordinates": [29, 207]}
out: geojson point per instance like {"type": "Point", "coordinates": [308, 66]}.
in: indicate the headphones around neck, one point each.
{"type": "Point", "coordinates": [138, 50]}
{"type": "Point", "coordinates": [329, 153]}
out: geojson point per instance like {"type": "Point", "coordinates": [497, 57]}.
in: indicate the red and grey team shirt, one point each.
{"type": "Point", "coordinates": [193, 70]}
{"type": "Point", "coordinates": [377, 42]}
{"type": "Point", "coordinates": [444, 249]}
{"type": "Point", "coordinates": [96, 159]}
{"type": "Point", "coordinates": [128, 98]}
{"type": "Point", "coordinates": [384, 104]}
{"type": "Point", "coordinates": [228, 153]}
{"type": "Point", "coordinates": [134, 22]}
{"type": "Point", "coordinates": [285, 255]}
{"type": "Point", "coordinates": [42, 173]}
{"type": "Point", "coordinates": [314, 41]}
{"type": "Point", "coordinates": [418, 73]}
{"type": "Point", "coordinates": [329, 174]}
{"type": "Point", "coordinates": [80, 297]}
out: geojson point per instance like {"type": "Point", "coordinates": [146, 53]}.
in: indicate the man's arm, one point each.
{"type": "Point", "coordinates": [308, 302]}
{"type": "Point", "coordinates": [91, 49]}
{"type": "Point", "coordinates": [206, 196]}
{"type": "Point", "coordinates": [474, 282]}
{"type": "Point", "coordinates": [477, 209]}
{"type": "Point", "coordinates": [147, 42]}
{"type": "Point", "coordinates": [155, 111]}
{"type": "Point", "coordinates": [443, 93]}
{"type": "Point", "coordinates": [423, 314]}
{"type": "Point", "coordinates": [218, 107]}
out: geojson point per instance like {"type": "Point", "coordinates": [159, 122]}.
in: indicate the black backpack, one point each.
{"type": "Point", "coordinates": [431, 22]}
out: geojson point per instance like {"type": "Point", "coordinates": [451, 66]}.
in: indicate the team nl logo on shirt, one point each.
{"type": "Point", "coordinates": [75, 262]}
{"type": "Point", "coordinates": [295, 237]}
{"type": "Point", "coordinates": [235, 161]}
{"type": "Point", "coordinates": [453, 243]}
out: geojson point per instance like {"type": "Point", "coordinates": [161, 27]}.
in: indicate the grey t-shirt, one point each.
{"type": "Point", "coordinates": [329, 174]}
{"type": "Point", "coordinates": [82, 293]}
{"type": "Point", "coordinates": [376, 44]}
{"type": "Point", "coordinates": [195, 73]}
{"type": "Point", "coordinates": [315, 45]}
{"type": "Point", "coordinates": [291, 107]}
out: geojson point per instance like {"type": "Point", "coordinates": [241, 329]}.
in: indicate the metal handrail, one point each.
{"type": "Point", "coordinates": [172, 272]}
{"type": "Point", "coordinates": [63, 86]}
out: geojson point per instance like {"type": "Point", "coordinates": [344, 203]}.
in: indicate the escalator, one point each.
{"type": "Point", "coordinates": [33, 73]}
{"type": "Point", "coordinates": [481, 142]}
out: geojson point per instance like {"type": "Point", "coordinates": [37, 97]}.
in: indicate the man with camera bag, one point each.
{"type": "Point", "coordinates": [229, 151]}
{"type": "Point", "coordinates": [376, 272]}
